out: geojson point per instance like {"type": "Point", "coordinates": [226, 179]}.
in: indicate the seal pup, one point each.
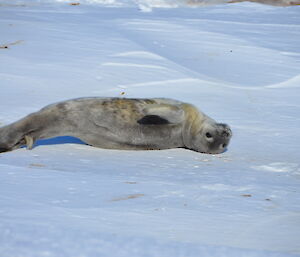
{"type": "Point", "coordinates": [121, 123]}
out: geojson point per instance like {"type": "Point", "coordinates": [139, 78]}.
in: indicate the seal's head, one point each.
{"type": "Point", "coordinates": [212, 138]}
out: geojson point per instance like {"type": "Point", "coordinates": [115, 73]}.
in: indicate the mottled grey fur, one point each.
{"type": "Point", "coordinates": [121, 123]}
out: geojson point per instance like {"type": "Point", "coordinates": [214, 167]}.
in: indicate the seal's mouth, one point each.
{"type": "Point", "coordinates": [221, 148]}
{"type": "Point", "coordinates": [215, 152]}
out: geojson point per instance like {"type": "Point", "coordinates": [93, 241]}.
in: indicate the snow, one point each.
{"type": "Point", "coordinates": [239, 63]}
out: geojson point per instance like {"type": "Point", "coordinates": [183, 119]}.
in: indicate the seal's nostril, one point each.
{"type": "Point", "coordinates": [226, 133]}
{"type": "Point", "coordinates": [224, 145]}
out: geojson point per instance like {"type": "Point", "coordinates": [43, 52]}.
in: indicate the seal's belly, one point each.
{"type": "Point", "coordinates": [117, 126]}
{"type": "Point", "coordinates": [150, 136]}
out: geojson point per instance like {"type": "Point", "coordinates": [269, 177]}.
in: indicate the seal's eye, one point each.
{"type": "Point", "coordinates": [224, 145]}
{"type": "Point", "coordinates": [208, 135]}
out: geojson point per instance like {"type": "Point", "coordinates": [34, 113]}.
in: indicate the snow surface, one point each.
{"type": "Point", "coordinates": [239, 63]}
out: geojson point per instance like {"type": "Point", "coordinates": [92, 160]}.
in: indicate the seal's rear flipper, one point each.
{"type": "Point", "coordinates": [29, 142]}
{"type": "Point", "coordinates": [4, 149]}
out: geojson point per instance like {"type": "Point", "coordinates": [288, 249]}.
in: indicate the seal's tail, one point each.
{"type": "Point", "coordinates": [17, 134]}
{"type": "Point", "coordinates": [3, 149]}
{"type": "Point", "coordinates": [10, 139]}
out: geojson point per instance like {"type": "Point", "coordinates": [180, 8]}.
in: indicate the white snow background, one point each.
{"type": "Point", "coordinates": [239, 63]}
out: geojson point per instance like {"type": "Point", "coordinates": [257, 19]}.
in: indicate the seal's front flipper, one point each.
{"type": "Point", "coordinates": [29, 142]}
{"type": "Point", "coordinates": [162, 114]}
{"type": "Point", "coordinates": [153, 120]}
